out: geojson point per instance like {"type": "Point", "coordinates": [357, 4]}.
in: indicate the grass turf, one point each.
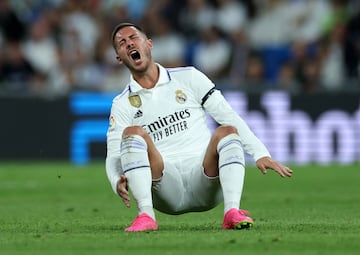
{"type": "Point", "coordinates": [59, 208]}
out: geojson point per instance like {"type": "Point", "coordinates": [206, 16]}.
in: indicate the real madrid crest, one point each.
{"type": "Point", "coordinates": [180, 96]}
{"type": "Point", "coordinates": [135, 100]}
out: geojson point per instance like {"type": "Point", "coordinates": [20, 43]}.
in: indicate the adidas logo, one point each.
{"type": "Point", "coordinates": [138, 114]}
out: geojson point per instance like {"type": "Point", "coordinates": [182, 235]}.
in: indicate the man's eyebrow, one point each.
{"type": "Point", "coordinates": [123, 37]}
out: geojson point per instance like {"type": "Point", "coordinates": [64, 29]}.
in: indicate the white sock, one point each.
{"type": "Point", "coordinates": [136, 167]}
{"type": "Point", "coordinates": [231, 170]}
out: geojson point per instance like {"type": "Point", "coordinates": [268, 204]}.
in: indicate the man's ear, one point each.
{"type": "Point", "coordinates": [119, 59]}
{"type": "Point", "coordinates": [150, 43]}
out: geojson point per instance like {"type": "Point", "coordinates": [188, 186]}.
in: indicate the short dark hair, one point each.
{"type": "Point", "coordinates": [120, 26]}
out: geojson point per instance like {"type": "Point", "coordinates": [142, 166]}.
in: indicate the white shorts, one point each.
{"type": "Point", "coordinates": [185, 188]}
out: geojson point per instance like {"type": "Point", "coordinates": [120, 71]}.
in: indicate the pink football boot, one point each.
{"type": "Point", "coordinates": [237, 219]}
{"type": "Point", "coordinates": [143, 222]}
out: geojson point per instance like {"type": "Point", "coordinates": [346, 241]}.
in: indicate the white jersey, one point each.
{"type": "Point", "coordinates": [174, 115]}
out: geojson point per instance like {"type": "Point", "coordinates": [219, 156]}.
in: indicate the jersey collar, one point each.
{"type": "Point", "coordinates": [164, 78]}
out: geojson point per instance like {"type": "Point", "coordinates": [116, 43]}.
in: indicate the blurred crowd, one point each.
{"type": "Point", "coordinates": [53, 47]}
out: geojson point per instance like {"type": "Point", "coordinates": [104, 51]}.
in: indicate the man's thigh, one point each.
{"type": "Point", "coordinates": [206, 192]}
{"type": "Point", "coordinates": [185, 188]}
{"type": "Point", "coordinates": [169, 191]}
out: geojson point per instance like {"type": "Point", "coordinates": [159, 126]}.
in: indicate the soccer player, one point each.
{"type": "Point", "coordinates": [160, 147]}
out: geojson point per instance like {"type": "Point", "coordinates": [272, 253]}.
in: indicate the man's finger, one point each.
{"type": "Point", "coordinates": [288, 171]}
{"type": "Point", "coordinates": [125, 197]}
{"type": "Point", "coordinates": [263, 169]}
{"type": "Point", "coordinates": [126, 201]}
{"type": "Point", "coordinates": [124, 191]}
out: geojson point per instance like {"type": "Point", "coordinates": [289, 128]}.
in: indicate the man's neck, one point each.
{"type": "Point", "coordinates": [148, 79]}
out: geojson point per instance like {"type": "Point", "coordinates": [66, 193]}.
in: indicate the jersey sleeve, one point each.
{"type": "Point", "coordinates": [220, 110]}
{"type": "Point", "coordinates": [118, 121]}
{"type": "Point", "coordinates": [202, 86]}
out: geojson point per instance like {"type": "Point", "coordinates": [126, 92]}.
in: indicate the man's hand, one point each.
{"type": "Point", "coordinates": [267, 163]}
{"type": "Point", "coordinates": [122, 190]}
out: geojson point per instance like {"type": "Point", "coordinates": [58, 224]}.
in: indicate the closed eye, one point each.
{"type": "Point", "coordinates": [122, 42]}
{"type": "Point", "coordinates": [134, 36]}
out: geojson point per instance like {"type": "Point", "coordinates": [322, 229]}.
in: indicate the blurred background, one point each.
{"type": "Point", "coordinates": [289, 67]}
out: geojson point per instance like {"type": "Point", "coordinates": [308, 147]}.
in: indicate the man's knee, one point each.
{"type": "Point", "coordinates": [132, 143]}
{"type": "Point", "coordinates": [223, 131]}
{"type": "Point", "coordinates": [134, 130]}
{"type": "Point", "coordinates": [230, 150]}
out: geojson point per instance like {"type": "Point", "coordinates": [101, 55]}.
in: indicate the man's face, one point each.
{"type": "Point", "coordinates": [133, 49]}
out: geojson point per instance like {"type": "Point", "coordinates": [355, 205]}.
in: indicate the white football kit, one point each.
{"type": "Point", "coordinates": [173, 113]}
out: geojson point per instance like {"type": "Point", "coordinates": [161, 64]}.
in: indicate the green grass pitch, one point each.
{"type": "Point", "coordinates": [58, 208]}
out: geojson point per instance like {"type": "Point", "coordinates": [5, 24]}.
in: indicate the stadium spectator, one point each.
{"type": "Point", "coordinates": [170, 44]}
{"type": "Point", "coordinates": [270, 33]}
{"type": "Point", "coordinates": [11, 27]}
{"type": "Point", "coordinates": [307, 18]}
{"type": "Point", "coordinates": [19, 77]}
{"type": "Point", "coordinates": [230, 15]}
{"type": "Point", "coordinates": [212, 53]}
{"type": "Point", "coordinates": [196, 16]}
{"type": "Point", "coordinates": [78, 38]}
{"type": "Point", "coordinates": [352, 51]}
{"type": "Point", "coordinates": [240, 50]}
{"type": "Point", "coordinates": [332, 66]}
{"type": "Point", "coordinates": [304, 62]}
{"type": "Point", "coordinates": [42, 51]}
{"type": "Point", "coordinates": [115, 11]}
{"type": "Point", "coordinates": [254, 74]}
{"type": "Point", "coordinates": [311, 80]}
{"type": "Point", "coordinates": [271, 27]}
{"type": "Point", "coordinates": [286, 79]}
{"type": "Point", "coordinates": [114, 76]}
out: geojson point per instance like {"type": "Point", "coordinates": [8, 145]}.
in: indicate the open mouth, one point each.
{"type": "Point", "coordinates": [135, 55]}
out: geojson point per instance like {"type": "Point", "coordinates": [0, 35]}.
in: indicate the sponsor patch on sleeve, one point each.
{"type": "Point", "coordinates": [111, 122]}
